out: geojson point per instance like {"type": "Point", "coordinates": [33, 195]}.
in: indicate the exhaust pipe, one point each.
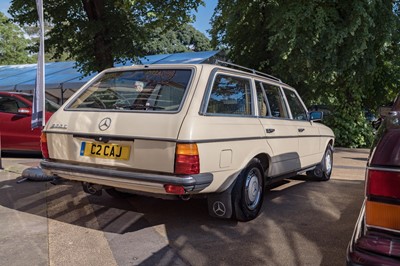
{"type": "Point", "coordinates": [92, 189]}
{"type": "Point", "coordinates": [185, 197]}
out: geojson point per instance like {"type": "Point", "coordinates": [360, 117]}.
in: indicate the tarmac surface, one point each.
{"type": "Point", "coordinates": [302, 222]}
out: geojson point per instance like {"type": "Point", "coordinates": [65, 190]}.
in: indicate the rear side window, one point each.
{"type": "Point", "coordinates": [230, 95]}
{"type": "Point", "coordinates": [140, 90]}
{"type": "Point", "coordinates": [275, 100]}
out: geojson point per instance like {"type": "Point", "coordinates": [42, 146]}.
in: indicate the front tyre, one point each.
{"type": "Point", "coordinates": [327, 164]}
{"type": "Point", "coordinates": [323, 171]}
{"type": "Point", "coordinates": [248, 192]}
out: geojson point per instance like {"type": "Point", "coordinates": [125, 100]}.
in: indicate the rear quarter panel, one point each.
{"type": "Point", "coordinates": [226, 143]}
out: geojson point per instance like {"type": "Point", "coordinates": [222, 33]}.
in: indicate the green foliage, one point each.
{"type": "Point", "coordinates": [13, 45]}
{"type": "Point", "coordinates": [49, 56]}
{"type": "Point", "coordinates": [178, 40]}
{"type": "Point", "coordinates": [350, 127]}
{"type": "Point", "coordinates": [343, 53]}
{"type": "Point", "coordinates": [95, 32]}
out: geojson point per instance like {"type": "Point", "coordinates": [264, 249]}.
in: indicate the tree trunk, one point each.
{"type": "Point", "coordinates": [102, 49]}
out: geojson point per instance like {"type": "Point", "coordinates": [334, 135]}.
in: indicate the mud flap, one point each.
{"type": "Point", "coordinates": [220, 204]}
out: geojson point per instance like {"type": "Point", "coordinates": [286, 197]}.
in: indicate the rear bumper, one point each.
{"type": "Point", "coordinates": [126, 179]}
{"type": "Point", "coordinates": [372, 247]}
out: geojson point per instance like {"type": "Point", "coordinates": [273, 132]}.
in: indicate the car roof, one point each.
{"type": "Point", "coordinates": [230, 67]}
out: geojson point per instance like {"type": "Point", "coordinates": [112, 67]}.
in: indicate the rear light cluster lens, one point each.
{"type": "Point", "coordinates": [383, 199]}
{"type": "Point", "coordinates": [383, 215]}
{"type": "Point", "coordinates": [43, 145]}
{"type": "Point", "coordinates": [186, 163]}
{"type": "Point", "coordinates": [383, 184]}
{"type": "Point", "coordinates": [187, 159]}
{"type": "Point", "coordinates": [379, 243]}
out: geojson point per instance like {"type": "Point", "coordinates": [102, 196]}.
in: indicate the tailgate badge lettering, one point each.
{"type": "Point", "coordinates": [60, 126]}
{"type": "Point", "coordinates": [105, 123]}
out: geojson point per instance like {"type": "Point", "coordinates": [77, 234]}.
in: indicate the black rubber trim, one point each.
{"type": "Point", "coordinates": [191, 182]}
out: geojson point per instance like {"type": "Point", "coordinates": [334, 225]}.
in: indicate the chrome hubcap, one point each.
{"type": "Point", "coordinates": [328, 162]}
{"type": "Point", "coordinates": [252, 190]}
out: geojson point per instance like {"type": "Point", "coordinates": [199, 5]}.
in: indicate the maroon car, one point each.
{"type": "Point", "coordinates": [15, 122]}
{"type": "Point", "coordinates": [376, 238]}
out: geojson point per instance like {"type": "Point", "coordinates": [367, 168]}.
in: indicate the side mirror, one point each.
{"type": "Point", "coordinates": [315, 115]}
{"type": "Point", "coordinates": [25, 111]}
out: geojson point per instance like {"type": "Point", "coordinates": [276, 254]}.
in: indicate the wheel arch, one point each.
{"type": "Point", "coordinates": [330, 142]}
{"type": "Point", "coordinates": [265, 161]}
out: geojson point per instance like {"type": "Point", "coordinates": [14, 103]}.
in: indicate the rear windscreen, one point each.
{"type": "Point", "coordinates": [140, 90]}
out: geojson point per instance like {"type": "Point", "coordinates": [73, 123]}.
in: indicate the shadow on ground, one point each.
{"type": "Point", "coordinates": [301, 223]}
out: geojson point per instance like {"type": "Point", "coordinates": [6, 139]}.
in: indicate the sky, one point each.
{"type": "Point", "coordinates": [203, 16]}
{"type": "Point", "coordinates": [4, 4]}
{"type": "Point", "coordinates": [202, 22]}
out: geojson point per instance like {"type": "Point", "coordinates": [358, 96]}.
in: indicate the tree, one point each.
{"type": "Point", "coordinates": [33, 35]}
{"type": "Point", "coordinates": [13, 45]}
{"type": "Point", "coordinates": [177, 40]}
{"type": "Point", "coordinates": [339, 53]}
{"type": "Point", "coordinates": [98, 32]}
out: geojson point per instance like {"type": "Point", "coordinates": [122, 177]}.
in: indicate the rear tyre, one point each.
{"type": "Point", "coordinates": [323, 171]}
{"type": "Point", "coordinates": [248, 192]}
{"type": "Point", "coordinates": [118, 194]}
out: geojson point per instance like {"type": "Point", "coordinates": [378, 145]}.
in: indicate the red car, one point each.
{"type": "Point", "coordinates": [376, 238]}
{"type": "Point", "coordinates": [15, 122]}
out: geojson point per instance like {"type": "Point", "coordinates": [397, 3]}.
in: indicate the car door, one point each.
{"type": "Point", "coordinates": [15, 128]}
{"type": "Point", "coordinates": [308, 133]}
{"type": "Point", "coordinates": [280, 132]}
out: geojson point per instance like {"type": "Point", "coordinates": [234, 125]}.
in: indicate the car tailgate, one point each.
{"type": "Point", "coordinates": [148, 140]}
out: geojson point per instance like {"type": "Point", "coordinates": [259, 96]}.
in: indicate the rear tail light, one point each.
{"type": "Point", "coordinates": [43, 145]}
{"type": "Point", "coordinates": [383, 183]}
{"type": "Point", "coordinates": [187, 159]}
{"type": "Point", "coordinates": [383, 199]}
{"type": "Point", "coordinates": [383, 215]}
{"type": "Point", "coordinates": [377, 243]}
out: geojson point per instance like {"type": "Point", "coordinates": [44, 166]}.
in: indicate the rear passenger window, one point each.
{"type": "Point", "coordinates": [275, 100]}
{"type": "Point", "coordinates": [230, 95]}
{"type": "Point", "coordinates": [297, 109]}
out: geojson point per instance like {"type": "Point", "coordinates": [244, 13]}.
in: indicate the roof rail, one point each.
{"type": "Point", "coordinates": [231, 65]}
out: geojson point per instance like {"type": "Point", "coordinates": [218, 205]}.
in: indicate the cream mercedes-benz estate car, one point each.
{"type": "Point", "coordinates": [179, 131]}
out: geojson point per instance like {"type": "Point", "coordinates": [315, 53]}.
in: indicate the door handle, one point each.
{"type": "Point", "coordinates": [270, 130]}
{"type": "Point", "coordinates": [301, 129]}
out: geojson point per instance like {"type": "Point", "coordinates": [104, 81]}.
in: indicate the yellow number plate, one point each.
{"type": "Point", "coordinates": [105, 150]}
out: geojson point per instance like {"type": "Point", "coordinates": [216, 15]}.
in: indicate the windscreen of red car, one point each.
{"type": "Point", "coordinates": [49, 105]}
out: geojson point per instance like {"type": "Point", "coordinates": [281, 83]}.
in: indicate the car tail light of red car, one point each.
{"type": "Point", "coordinates": [43, 145]}
{"type": "Point", "coordinates": [383, 198]}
